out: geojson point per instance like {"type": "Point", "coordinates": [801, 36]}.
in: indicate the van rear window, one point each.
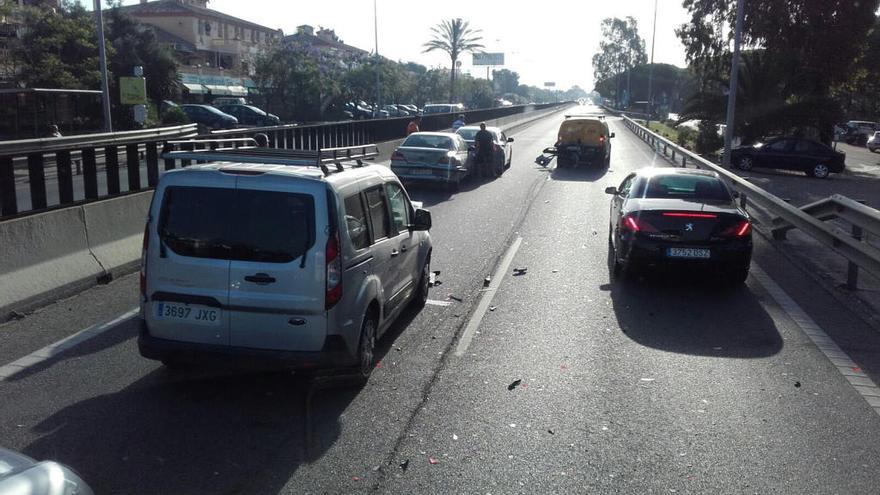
{"type": "Point", "coordinates": [237, 224]}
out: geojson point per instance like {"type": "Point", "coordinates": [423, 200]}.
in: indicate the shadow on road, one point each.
{"type": "Point", "coordinates": [431, 194]}
{"type": "Point", "coordinates": [202, 431]}
{"type": "Point", "coordinates": [690, 313]}
{"type": "Point", "coordinates": [584, 173]}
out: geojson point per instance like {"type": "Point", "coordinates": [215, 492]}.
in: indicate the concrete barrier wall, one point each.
{"type": "Point", "coordinates": [50, 255]}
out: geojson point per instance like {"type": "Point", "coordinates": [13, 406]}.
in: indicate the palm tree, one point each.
{"type": "Point", "coordinates": [454, 37]}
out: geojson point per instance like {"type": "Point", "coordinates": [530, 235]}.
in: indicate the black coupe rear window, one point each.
{"type": "Point", "coordinates": [237, 224]}
{"type": "Point", "coordinates": [680, 186]}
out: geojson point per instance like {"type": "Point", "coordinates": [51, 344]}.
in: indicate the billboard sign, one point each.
{"type": "Point", "coordinates": [488, 59]}
{"type": "Point", "coordinates": [550, 84]}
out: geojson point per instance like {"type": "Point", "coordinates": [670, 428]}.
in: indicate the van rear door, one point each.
{"type": "Point", "coordinates": [277, 273]}
{"type": "Point", "coordinates": [585, 132]}
{"type": "Point", "coordinates": [187, 261]}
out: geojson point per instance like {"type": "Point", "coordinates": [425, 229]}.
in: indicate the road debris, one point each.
{"type": "Point", "coordinates": [454, 298]}
{"type": "Point", "coordinates": [797, 384]}
{"type": "Point", "coordinates": [563, 367]}
{"type": "Point", "coordinates": [493, 308]}
{"type": "Point", "coordinates": [514, 384]}
{"type": "Point", "coordinates": [519, 271]}
{"type": "Point", "coordinates": [431, 460]}
{"type": "Point", "coordinates": [555, 271]}
{"type": "Point", "coordinates": [454, 436]}
{"type": "Point", "coordinates": [487, 280]}
{"type": "Point", "coordinates": [648, 379]}
{"type": "Point", "coordinates": [550, 432]}
{"type": "Point", "coordinates": [404, 465]}
{"type": "Point", "coordinates": [355, 478]}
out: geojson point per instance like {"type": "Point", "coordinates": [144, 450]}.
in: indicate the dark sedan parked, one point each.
{"type": "Point", "coordinates": [209, 116]}
{"type": "Point", "coordinates": [679, 218]}
{"type": "Point", "coordinates": [250, 115]}
{"type": "Point", "coordinates": [788, 153]}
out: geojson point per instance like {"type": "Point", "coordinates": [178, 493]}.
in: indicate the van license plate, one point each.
{"type": "Point", "coordinates": [188, 313]}
{"type": "Point", "coordinates": [688, 253]}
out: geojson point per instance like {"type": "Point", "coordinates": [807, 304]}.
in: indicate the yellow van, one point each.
{"type": "Point", "coordinates": [583, 140]}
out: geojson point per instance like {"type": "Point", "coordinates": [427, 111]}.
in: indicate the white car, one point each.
{"type": "Point", "coordinates": [303, 267]}
{"type": "Point", "coordinates": [439, 157]}
{"type": "Point", "coordinates": [503, 144]}
{"type": "Point", "coordinates": [873, 143]}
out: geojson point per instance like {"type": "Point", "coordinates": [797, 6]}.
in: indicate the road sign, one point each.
{"type": "Point", "coordinates": [132, 90]}
{"type": "Point", "coordinates": [488, 59]}
{"type": "Point", "coordinates": [550, 84]}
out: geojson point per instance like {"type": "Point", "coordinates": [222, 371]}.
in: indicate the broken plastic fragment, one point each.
{"type": "Point", "coordinates": [404, 465]}
{"type": "Point", "coordinates": [797, 384]}
{"type": "Point", "coordinates": [514, 384]}
{"type": "Point", "coordinates": [492, 308]}
{"type": "Point", "coordinates": [356, 478]}
{"type": "Point", "coordinates": [431, 460]}
{"type": "Point", "coordinates": [648, 379]}
{"type": "Point", "coordinates": [454, 436]}
{"type": "Point", "coordinates": [487, 281]}
{"type": "Point", "coordinates": [519, 271]}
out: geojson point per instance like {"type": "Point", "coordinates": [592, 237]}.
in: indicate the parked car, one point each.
{"type": "Point", "coordinates": [358, 112]}
{"type": "Point", "coordinates": [583, 140]}
{"type": "Point", "coordinates": [209, 116]}
{"type": "Point", "coordinates": [873, 143]}
{"type": "Point", "coordinates": [19, 474]}
{"type": "Point", "coordinates": [858, 132]}
{"type": "Point", "coordinates": [229, 100]}
{"type": "Point", "coordinates": [439, 157]}
{"type": "Point", "coordinates": [290, 266]}
{"type": "Point", "coordinates": [443, 108]}
{"type": "Point", "coordinates": [250, 115]}
{"type": "Point", "coordinates": [790, 153]}
{"type": "Point", "coordinates": [396, 111]}
{"type": "Point", "coordinates": [412, 109]}
{"type": "Point", "coordinates": [503, 144]}
{"type": "Point", "coordinates": [678, 218]}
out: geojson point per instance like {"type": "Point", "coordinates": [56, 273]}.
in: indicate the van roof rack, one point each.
{"type": "Point", "coordinates": [245, 150]}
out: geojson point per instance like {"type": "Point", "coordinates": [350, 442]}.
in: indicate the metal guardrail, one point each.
{"type": "Point", "coordinates": [809, 220]}
{"type": "Point", "coordinates": [142, 148]}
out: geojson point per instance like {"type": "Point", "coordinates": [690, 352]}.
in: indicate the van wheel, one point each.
{"type": "Point", "coordinates": [367, 348]}
{"type": "Point", "coordinates": [453, 186]}
{"type": "Point", "coordinates": [420, 298]}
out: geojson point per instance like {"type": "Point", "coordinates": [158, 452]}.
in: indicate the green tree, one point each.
{"type": "Point", "coordinates": [57, 49]}
{"type": "Point", "coordinates": [620, 49]}
{"type": "Point", "coordinates": [135, 44]}
{"type": "Point", "coordinates": [291, 84]}
{"type": "Point", "coordinates": [455, 37]}
{"type": "Point", "coordinates": [814, 46]}
{"type": "Point", "coordinates": [506, 81]}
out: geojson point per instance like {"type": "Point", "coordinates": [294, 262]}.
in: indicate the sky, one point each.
{"type": "Point", "coordinates": [543, 40]}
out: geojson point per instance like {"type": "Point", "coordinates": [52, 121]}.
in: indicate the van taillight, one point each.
{"type": "Point", "coordinates": [333, 256]}
{"type": "Point", "coordinates": [143, 275]}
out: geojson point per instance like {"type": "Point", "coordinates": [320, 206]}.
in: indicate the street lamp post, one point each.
{"type": "Point", "coordinates": [378, 66]}
{"type": "Point", "coordinates": [102, 58]}
{"type": "Point", "coordinates": [734, 76]}
{"type": "Point", "coordinates": [651, 67]}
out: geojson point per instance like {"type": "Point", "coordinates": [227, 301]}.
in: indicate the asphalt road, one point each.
{"type": "Point", "coordinates": [625, 386]}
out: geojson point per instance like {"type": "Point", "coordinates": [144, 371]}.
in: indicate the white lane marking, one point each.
{"type": "Point", "coordinates": [62, 345]}
{"type": "Point", "coordinates": [844, 364]}
{"type": "Point", "coordinates": [486, 298]}
{"type": "Point", "coordinates": [434, 302]}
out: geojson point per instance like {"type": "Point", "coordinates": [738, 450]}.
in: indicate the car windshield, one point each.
{"type": "Point", "coordinates": [237, 224]}
{"type": "Point", "coordinates": [468, 133]}
{"type": "Point", "coordinates": [682, 186]}
{"type": "Point", "coordinates": [429, 141]}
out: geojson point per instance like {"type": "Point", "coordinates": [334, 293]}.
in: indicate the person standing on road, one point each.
{"type": "Point", "coordinates": [459, 122]}
{"type": "Point", "coordinates": [485, 144]}
{"type": "Point", "coordinates": [413, 125]}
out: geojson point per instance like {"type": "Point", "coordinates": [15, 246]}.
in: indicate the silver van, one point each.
{"type": "Point", "coordinates": [302, 266]}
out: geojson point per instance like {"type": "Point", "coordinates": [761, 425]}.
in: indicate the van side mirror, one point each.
{"type": "Point", "coordinates": [611, 190]}
{"type": "Point", "coordinates": [422, 220]}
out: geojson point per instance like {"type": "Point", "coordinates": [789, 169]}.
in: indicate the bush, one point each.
{"type": "Point", "coordinates": [174, 116]}
{"type": "Point", "coordinates": [686, 135]}
{"type": "Point", "coordinates": [708, 141]}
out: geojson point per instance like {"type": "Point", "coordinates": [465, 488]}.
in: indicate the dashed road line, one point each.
{"type": "Point", "coordinates": [67, 343]}
{"type": "Point", "coordinates": [844, 364]}
{"type": "Point", "coordinates": [486, 300]}
{"type": "Point", "coordinates": [434, 302]}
